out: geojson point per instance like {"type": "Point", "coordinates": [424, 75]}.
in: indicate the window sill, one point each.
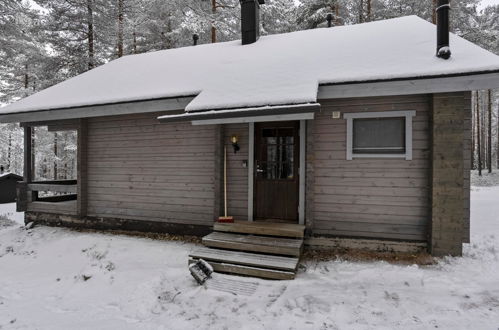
{"type": "Point", "coordinates": [398, 156]}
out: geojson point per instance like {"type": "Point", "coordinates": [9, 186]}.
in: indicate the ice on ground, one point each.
{"type": "Point", "coordinates": [54, 278]}
{"type": "Point", "coordinates": [276, 70]}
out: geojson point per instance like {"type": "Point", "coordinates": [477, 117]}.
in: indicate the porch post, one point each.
{"type": "Point", "coordinates": [448, 154]}
{"type": "Point", "coordinates": [81, 199]}
{"type": "Point", "coordinates": [302, 173]}
{"type": "Point", "coordinates": [23, 194]}
{"type": "Point", "coordinates": [251, 171]}
{"type": "Point", "coordinates": [28, 154]}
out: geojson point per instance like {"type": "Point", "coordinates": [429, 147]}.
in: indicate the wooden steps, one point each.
{"type": "Point", "coordinates": [253, 243]}
{"type": "Point", "coordinates": [271, 274]}
{"type": "Point", "coordinates": [266, 250]}
{"type": "Point", "coordinates": [262, 228]}
{"type": "Point", "coordinates": [246, 258]}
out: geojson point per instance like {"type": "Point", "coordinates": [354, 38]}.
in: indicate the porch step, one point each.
{"type": "Point", "coordinates": [262, 228]}
{"type": "Point", "coordinates": [250, 271]}
{"type": "Point", "coordinates": [245, 263]}
{"type": "Point", "coordinates": [252, 243]}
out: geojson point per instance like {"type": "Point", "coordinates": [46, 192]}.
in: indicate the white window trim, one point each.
{"type": "Point", "coordinates": [385, 114]}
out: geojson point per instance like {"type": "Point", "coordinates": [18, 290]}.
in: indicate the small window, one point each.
{"type": "Point", "coordinates": [379, 134]}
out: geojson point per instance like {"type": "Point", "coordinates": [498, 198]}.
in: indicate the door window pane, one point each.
{"type": "Point", "coordinates": [379, 135]}
{"type": "Point", "coordinates": [276, 153]}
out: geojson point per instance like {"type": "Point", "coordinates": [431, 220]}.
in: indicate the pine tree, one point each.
{"type": "Point", "coordinates": [312, 13]}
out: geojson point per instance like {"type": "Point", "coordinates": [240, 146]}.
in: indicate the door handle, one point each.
{"type": "Point", "coordinates": [259, 170]}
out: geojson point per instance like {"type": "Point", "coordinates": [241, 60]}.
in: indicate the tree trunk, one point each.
{"type": "Point", "coordinates": [213, 30]}
{"type": "Point", "coordinates": [26, 76]}
{"type": "Point", "coordinates": [369, 10]}
{"type": "Point", "coordinates": [497, 127]}
{"type": "Point", "coordinates": [489, 137]}
{"type": "Point", "coordinates": [55, 156]}
{"type": "Point", "coordinates": [434, 14]}
{"type": "Point", "coordinates": [337, 13]}
{"type": "Point", "coordinates": [478, 135]}
{"type": "Point", "coordinates": [473, 160]}
{"type": "Point", "coordinates": [9, 151]}
{"type": "Point", "coordinates": [33, 154]}
{"type": "Point", "coordinates": [134, 42]}
{"type": "Point", "coordinates": [120, 28]}
{"type": "Point", "coordinates": [90, 33]}
{"type": "Point", "coordinates": [483, 130]}
{"type": "Point", "coordinates": [361, 11]}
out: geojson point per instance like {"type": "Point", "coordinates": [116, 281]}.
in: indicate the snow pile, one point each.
{"type": "Point", "coordinates": [276, 70]}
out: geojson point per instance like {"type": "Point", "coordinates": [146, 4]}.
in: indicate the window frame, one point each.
{"type": "Point", "coordinates": [407, 114]}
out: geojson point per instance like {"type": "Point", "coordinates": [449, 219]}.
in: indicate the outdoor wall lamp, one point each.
{"type": "Point", "coordinates": [234, 139]}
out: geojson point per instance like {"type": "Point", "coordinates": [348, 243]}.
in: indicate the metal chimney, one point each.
{"type": "Point", "coordinates": [250, 20]}
{"type": "Point", "coordinates": [443, 49]}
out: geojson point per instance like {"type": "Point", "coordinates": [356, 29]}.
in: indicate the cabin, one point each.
{"type": "Point", "coordinates": [348, 136]}
{"type": "Point", "coordinates": [8, 183]}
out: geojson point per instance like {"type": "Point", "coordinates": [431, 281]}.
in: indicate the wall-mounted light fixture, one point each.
{"type": "Point", "coordinates": [234, 140]}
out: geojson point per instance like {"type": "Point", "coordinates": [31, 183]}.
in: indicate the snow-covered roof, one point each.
{"type": "Point", "coordinates": [277, 69]}
{"type": "Point", "coordinates": [8, 174]}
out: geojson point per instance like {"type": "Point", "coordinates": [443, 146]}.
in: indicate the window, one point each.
{"type": "Point", "coordinates": [379, 134]}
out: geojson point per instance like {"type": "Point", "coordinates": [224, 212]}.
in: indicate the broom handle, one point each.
{"type": "Point", "coordinates": [225, 179]}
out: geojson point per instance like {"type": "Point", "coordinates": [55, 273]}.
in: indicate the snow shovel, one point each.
{"type": "Point", "coordinates": [225, 218]}
{"type": "Point", "coordinates": [201, 271]}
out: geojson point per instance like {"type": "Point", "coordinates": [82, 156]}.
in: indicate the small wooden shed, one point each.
{"type": "Point", "coordinates": [8, 182]}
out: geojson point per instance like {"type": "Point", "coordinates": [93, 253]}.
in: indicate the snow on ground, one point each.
{"type": "Point", "coordinates": [54, 278]}
{"type": "Point", "coordinates": [8, 215]}
{"type": "Point", "coordinates": [485, 180]}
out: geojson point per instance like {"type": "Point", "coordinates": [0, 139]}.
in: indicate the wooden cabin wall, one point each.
{"type": "Point", "coordinates": [372, 198]}
{"type": "Point", "coordinates": [237, 174]}
{"type": "Point", "coordinates": [467, 164]}
{"type": "Point", "coordinates": [142, 170]}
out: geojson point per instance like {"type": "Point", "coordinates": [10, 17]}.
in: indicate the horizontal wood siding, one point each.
{"type": "Point", "coordinates": [375, 198]}
{"type": "Point", "coordinates": [237, 175]}
{"type": "Point", "coordinates": [142, 170]}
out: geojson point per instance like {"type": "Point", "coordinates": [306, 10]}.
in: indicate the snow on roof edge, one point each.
{"type": "Point", "coordinates": [238, 77]}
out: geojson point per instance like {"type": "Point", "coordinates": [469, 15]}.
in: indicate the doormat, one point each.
{"type": "Point", "coordinates": [221, 283]}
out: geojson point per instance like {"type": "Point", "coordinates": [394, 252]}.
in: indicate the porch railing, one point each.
{"type": "Point", "coordinates": [57, 196]}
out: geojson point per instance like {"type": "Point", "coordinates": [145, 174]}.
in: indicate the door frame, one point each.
{"type": "Point", "coordinates": [301, 171]}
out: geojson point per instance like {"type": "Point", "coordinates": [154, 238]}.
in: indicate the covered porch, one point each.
{"type": "Point", "coordinates": [55, 196]}
{"type": "Point", "coordinates": [262, 155]}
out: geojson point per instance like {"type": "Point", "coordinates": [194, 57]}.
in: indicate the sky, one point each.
{"type": "Point", "coordinates": [485, 3]}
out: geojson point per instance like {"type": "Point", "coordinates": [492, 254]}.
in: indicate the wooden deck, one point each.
{"type": "Point", "coordinates": [266, 250]}
{"type": "Point", "coordinates": [254, 243]}
{"type": "Point", "coordinates": [262, 228]}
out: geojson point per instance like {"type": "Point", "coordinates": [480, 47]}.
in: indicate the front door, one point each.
{"type": "Point", "coordinates": [276, 171]}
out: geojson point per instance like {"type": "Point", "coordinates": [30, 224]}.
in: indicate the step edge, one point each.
{"type": "Point", "coordinates": [294, 252]}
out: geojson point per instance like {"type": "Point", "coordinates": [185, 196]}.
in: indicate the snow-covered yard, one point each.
{"type": "Point", "coordinates": [53, 278]}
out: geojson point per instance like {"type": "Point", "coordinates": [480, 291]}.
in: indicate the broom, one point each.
{"type": "Point", "coordinates": [225, 218]}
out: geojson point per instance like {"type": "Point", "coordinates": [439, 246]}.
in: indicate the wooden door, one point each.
{"type": "Point", "coordinates": [276, 171]}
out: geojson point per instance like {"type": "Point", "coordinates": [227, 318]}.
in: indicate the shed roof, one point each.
{"type": "Point", "coordinates": [7, 175]}
{"type": "Point", "coordinates": [276, 70]}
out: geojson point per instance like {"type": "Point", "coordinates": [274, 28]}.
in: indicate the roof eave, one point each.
{"type": "Point", "coordinates": [410, 86]}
